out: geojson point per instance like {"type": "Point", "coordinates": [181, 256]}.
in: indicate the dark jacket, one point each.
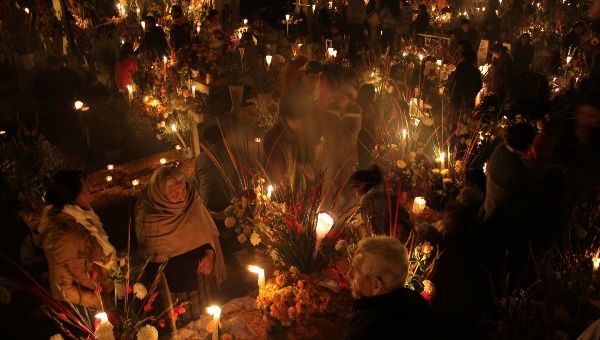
{"type": "Point", "coordinates": [472, 36]}
{"type": "Point", "coordinates": [401, 314]}
{"type": "Point", "coordinates": [464, 84]}
{"type": "Point", "coordinates": [522, 55]}
{"type": "Point", "coordinates": [216, 177]}
{"type": "Point", "coordinates": [154, 45]}
{"type": "Point", "coordinates": [180, 33]}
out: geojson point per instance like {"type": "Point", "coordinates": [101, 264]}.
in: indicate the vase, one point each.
{"type": "Point", "coordinates": [237, 96]}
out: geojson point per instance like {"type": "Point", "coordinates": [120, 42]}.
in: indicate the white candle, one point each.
{"type": "Point", "coordinates": [442, 160]}
{"type": "Point", "coordinates": [193, 91]}
{"type": "Point", "coordinates": [135, 183]}
{"type": "Point", "coordinates": [269, 191]}
{"type": "Point", "coordinates": [177, 147]}
{"type": "Point", "coordinates": [245, 22]}
{"type": "Point", "coordinates": [418, 205]}
{"type": "Point", "coordinates": [110, 167]}
{"type": "Point", "coordinates": [109, 178]}
{"type": "Point", "coordinates": [163, 161]}
{"type": "Point", "coordinates": [174, 129]}
{"type": "Point", "coordinates": [324, 224]}
{"type": "Point", "coordinates": [261, 276]}
{"type": "Point", "coordinates": [215, 311]}
{"type": "Point", "coordinates": [596, 262]}
{"type": "Point", "coordinates": [165, 68]}
{"type": "Point", "coordinates": [268, 58]}
{"type": "Point", "coordinates": [287, 24]}
{"type": "Point", "coordinates": [257, 140]}
{"type": "Point", "coordinates": [143, 25]}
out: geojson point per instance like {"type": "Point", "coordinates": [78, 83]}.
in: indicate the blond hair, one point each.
{"type": "Point", "coordinates": [387, 259]}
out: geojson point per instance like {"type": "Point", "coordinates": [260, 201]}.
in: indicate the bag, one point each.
{"type": "Point", "coordinates": [373, 19]}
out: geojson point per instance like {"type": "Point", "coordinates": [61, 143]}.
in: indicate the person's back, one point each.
{"type": "Point", "coordinates": [180, 29]}
{"type": "Point", "coordinates": [465, 83]}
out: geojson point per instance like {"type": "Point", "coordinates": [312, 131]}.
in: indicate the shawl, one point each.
{"type": "Point", "coordinates": [165, 229]}
{"type": "Point", "coordinates": [87, 219]}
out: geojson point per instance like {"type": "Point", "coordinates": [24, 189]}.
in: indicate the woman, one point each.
{"type": "Point", "coordinates": [172, 224]}
{"type": "Point", "coordinates": [125, 67]}
{"type": "Point", "coordinates": [377, 206]}
{"type": "Point", "coordinates": [74, 240]}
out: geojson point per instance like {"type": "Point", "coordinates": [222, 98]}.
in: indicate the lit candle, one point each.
{"type": "Point", "coordinates": [193, 91]}
{"type": "Point", "coordinates": [3, 132]}
{"type": "Point", "coordinates": [418, 205]}
{"type": "Point", "coordinates": [313, 8]}
{"type": "Point", "coordinates": [442, 160]}
{"type": "Point", "coordinates": [135, 183]}
{"type": "Point", "coordinates": [215, 311]}
{"type": "Point", "coordinates": [174, 129]}
{"type": "Point", "coordinates": [165, 67]}
{"type": "Point", "coordinates": [110, 167]}
{"type": "Point", "coordinates": [404, 133]}
{"type": "Point", "coordinates": [26, 10]}
{"type": "Point", "coordinates": [596, 262]}
{"type": "Point", "coordinates": [245, 22]}
{"type": "Point", "coordinates": [78, 105]}
{"type": "Point", "coordinates": [257, 139]}
{"type": "Point", "coordinates": [109, 178]}
{"type": "Point", "coordinates": [102, 319]}
{"type": "Point", "coordinates": [198, 29]}
{"type": "Point", "coordinates": [163, 161]}
{"type": "Point", "coordinates": [177, 147]}
{"type": "Point", "coordinates": [439, 62]}
{"type": "Point", "coordinates": [287, 24]}
{"type": "Point", "coordinates": [261, 276]}
{"type": "Point", "coordinates": [130, 92]}
{"type": "Point", "coordinates": [143, 25]}
{"type": "Point", "coordinates": [324, 224]}
{"type": "Point", "coordinates": [268, 58]}
{"type": "Point", "coordinates": [269, 191]}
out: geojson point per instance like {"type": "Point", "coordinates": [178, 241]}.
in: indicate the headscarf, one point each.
{"type": "Point", "coordinates": [167, 229]}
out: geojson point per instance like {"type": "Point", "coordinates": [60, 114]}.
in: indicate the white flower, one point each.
{"type": "Point", "coordinates": [148, 332]}
{"type": "Point", "coordinates": [254, 239]}
{"type": "Point", "coordinates": [5, 296]}
{"type": "Point", "coordinates": [139, 290]}
{"type": "Point", "coordinates": [104, 331]}
{"type": "Point", "coordinates": [56, 337]}
{"type": "Point", "coordinates": [340, 244]}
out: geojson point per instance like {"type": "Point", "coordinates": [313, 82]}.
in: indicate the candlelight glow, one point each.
{"type": "Point", "coordinates": [245, 21]}
{"type": "Point", "coordinates": [135, 182]}
{"type": "Point", "coordinates": [419, 205]}
{"type": "Point", "coordinates": [442, 157]}
{"type": "Point", "coordinates": [287, 17]}
{"type": "Point", "coordinates": [103, 317]}
{"type": "Point", "coordinates": [214, 310]}
{"type": "Point", "coordinates": [26, 10]}
{"type": "Point", "coordinates": [163, 161]}
{"type": "Point", "coordinates": [569, 58]}
{"type": "Point", "coordinates": [78, 105]}
{"type": "Point", "coordinates": [110, 167]}
{"type": "Point", "coordinates": [143, 25]}
{"type": "Point", "coordinates": [164, 59]}
{"type": "Point", "coordinates": [108, 178]}
{"type": "Point", "coordinates": [256, 270]}
{"type": "Point", "coordinates": [324, 225]}
{"type": "Point", "coordinates": [269, 58]}
{"type": "Point", "coordinates": [269, 191]}
{"type": "Point", "coordinates": [173, 127]}
{"type": "Point", "coordinates": [177, 147]}
{"type": "Point", "coordinates": [257, 139]}
{"type": "Point", "coordinates": [2, 132]}
{"type": "Point", "coordinates": [404, 133]}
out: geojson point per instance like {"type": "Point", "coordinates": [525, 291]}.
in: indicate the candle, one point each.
{"type": "Point", "coordinates": [78, 105]}
{"type": "Point", "coordinates": [143, 25]}
{"type": "Point", "coordinates": [439, 62]}
{"type": "Point", "coordinates": [287, 24]}
{"type": "Point", "coordinates": [198, 29]}
{"type": "Point", "coordinates": [215, 311]}
{"type": "Point", "coordinates": [130, 92]}
{"type": "Point", "coordinates": [163, 161]}
{"type": "Point", "coordinates": [269, 191]}
{"type": "Point", "coordinates": [165, 68]}
{"type": "Point", "coordinates": [110, 167]}
{"type": "Point", "coordinates": [404, 133]}
{"type": "Point", "coordinates": [324, 224]}
{"type": "Point", "coordinates": [418, 205]}
{"type": "Point", "coordinates": [3, 132]}
{"type": "Point", "coordinates": [245, 22]}
{"type": "Point", "coordinates": [109, 178]}
{"type": "Point", "coordinates": [174, 129]}
{"type": "Point", "coordinates": [193, 91]}
{"type": "Point", "coordinates": [257, 139]}
{"type": "Point", "coordinates": [261, 276]}
{"type": "Point", "coordinates": [442, 159]}
{"type": "Point", "coordinates": [313, 8]}
{"type": "Point", "coordinates": [135, 183]}
{"type": "Point", "coordinates": [596, 261]}
{"type": "Point", "coordinates": [177, 147]}
{"type": "Point", "coordinates": [101, 319]}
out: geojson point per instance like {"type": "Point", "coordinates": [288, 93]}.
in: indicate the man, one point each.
{"type": "Point", "coordinates": [356, 14]}
{"type": "Point", "coordinates": [468, 33]}
{"type": "Point", "coordinates": [572, 39]}
{"type": "Point", "coordinates": [523, 52]}
{"type": "Point", "coordinates": [384, 309]}
{"type": "Point", "coordinates": [180, 28]}
{"type": "Point", "coordinates": [464, 83]}
{"type": "Point", "coordinates": [298, 101]}
{"type": "Point", "coordinates": [154, 45]}
{"type": "Point", "coordinates": [501, 74]}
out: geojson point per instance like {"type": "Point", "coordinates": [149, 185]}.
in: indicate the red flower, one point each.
{"type": "Point", "coordinates": [148, 307]}
{"type": "Point", "coordinates": [161, 323]}
{"type": "Point", "coordinates": [94, 276]}
{"type": "Point", "coordinates": [174, 316]}
{"type": "Point", "coordinates": [152, 298]}
{"type": "Point", "coordinates": [426, 296]}
{"type": "Point", "coordinates": [128, 289]}
{"type": "Point", "coordinates": [62, 315]}
{"type": "Point", "coordinates": [179, 310]}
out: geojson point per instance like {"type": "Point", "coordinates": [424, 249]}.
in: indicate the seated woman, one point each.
{"type": "Point", "coordinates": [375, 207]}
{"type": "Point", "coordinates": [73, 239]}
{"type": "Point", "coordinates": [173, 224]}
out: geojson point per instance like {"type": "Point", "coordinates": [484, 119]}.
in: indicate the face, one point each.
{"type": "Point", "coordinates": [362, 284]}
{"type": "Point", "coordinates": [176, 191]}
{"type": "Point", "coordinates": [84, 199]}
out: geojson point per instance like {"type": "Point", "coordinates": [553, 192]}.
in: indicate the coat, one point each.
{"type": "Point", "coordinates": [71, 251]}
{"type": "Point", "coordinates": [402, 312]}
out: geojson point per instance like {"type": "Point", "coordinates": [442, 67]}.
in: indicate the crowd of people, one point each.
{"type": "Point", "coordinates": [328, 125]}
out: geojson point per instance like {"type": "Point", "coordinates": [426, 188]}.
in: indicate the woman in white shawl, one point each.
{"type": "Point", "coordinates": [173, 224]}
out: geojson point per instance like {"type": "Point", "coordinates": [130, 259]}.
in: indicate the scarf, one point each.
{"type": "Point", "coordinates": [87, 219]}
{"type": "Point", "coordinates": [167, 229]}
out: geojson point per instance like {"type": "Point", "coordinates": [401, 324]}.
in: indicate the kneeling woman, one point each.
{"type": "Point", "coordinates": [173, 224]}
{"type": "Point", "coordinates": [74, 240]}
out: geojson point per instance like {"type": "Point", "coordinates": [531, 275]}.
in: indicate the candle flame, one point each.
{"type": "Point", "coordinates": [256, 270]}
{"type": "Point", "coordinates": [78, 105]}
{"type": "Point", "coordinates": [214, 310]}
{"type": "Point", "coordinates": [103, 317]}
{"type": "Point", "coordinates": [174, 127]}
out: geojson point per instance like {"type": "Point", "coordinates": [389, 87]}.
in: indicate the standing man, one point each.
{"type": "Point", "coordinates": [154, 45]}
{"type": "Point", "coordinates": [356, 14]}
{"type": "Point", "coordinates": [180, 28]}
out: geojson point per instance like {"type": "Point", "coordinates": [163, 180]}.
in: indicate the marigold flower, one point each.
{"type": "Point", "coordinates": [230, 221]}
{"type": "Point", "coordinates": [254, 239]}
{"type": "Point", "coordinates": [242, 238]}
{"type": "Point", "coordinates": [400, 164]}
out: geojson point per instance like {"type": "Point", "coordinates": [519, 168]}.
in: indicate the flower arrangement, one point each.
{"type": "Point", "coordinates": [291, 297]}
{"type": "Point", "coordinates": [268, 110]}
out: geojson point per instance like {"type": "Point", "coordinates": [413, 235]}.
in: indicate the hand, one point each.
{"type": "Point", "coordinates": [205, 265]}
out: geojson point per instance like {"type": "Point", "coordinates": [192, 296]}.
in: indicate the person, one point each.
{"type": "Point", "coordinates": [215, 171]}
{"type": "Point", "coordinates": [405, 22]}
{"type": "Point", "coordinates": [390, 14]}
{"type": "Point", "coordinates": [15, 230]}
{"type": "Point", "coordinates": [125, 67]}
{"type": "Point", "coordinates": [382, 305]}
{"type": "Point", "coordinates": [572, 39]}
{"type": "Point", "coordinates": [501, 73]}
{"type": "Point", "coordinates": [154, 44]}
{"type": "Point", "coordinates": [74, 242]}
{"type": "Point", "coordinates": [468, 33]}
{"type": "Point", "coordinates": [173, 224]}
{"type": "Point", "coordinates": [523, 52]}
{"type": "Point", "coordinates": [299, 102]}
{"type": "Point", "coordinates": [505, 37]}
{"type": "Point", "coordinates": [356, 14]}
{"type": "Point", "coordinates": [508, 175]}
{"type": "Point", "coordinates": [464, 83]}
{"type": "Point", "coordinates": [180, 29]}
{"type": "Point", "coordinates": [372, 119]}
{"type": "Point", "coordinates": [421, 23]}
{"type": "Point", "coordinates": [375, 209]}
